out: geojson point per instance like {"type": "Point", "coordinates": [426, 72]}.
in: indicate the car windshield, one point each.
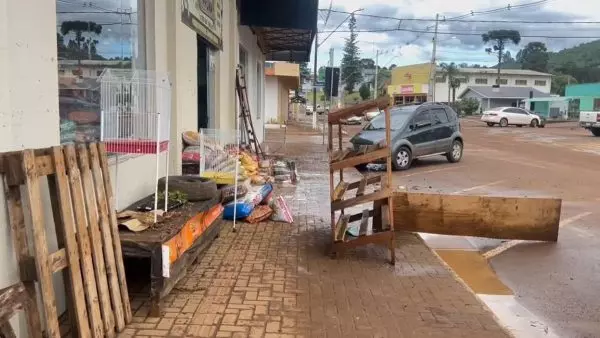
{"type": "Point", "coordinates": [399, 117]}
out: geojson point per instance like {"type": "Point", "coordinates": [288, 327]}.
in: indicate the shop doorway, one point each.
{"type": "Point", "coordinates": [203, 67]}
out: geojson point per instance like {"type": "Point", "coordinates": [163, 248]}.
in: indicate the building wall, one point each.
{"type": "Point", "coordinates": [271, 99]}
{"type": "Point", "coordinates": [413, 74]}
{"type": "Point", "coordinates": [225, 62]}
{"type": "Point", "coordinates": [441, 88]}
{"type": "Point", "coordinates": [584, 89]}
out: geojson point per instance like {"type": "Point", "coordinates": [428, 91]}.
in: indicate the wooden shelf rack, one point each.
{"type": "Point", "coordinates": [369, 189]}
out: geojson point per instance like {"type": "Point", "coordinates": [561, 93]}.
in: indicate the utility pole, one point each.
{"type": "Point", "coordinates": [433, 68]}
{"type": "Point", "coordinates": [315, 75]}
{"type": "Point", "coordinates": [331, 54]}
{"type": "Point", "coordinates": [375, 91]}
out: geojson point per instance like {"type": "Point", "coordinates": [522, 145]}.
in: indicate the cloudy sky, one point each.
{"type": "Point", "coordinates": [459, 41]}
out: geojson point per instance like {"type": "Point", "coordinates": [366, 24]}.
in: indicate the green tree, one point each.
{"type": "Point", "coordinates": [364, 91]}
{"type": "Point", "coordinates": [350, 61]}
{"type": "Point", "coordinates": [499, 39]}
{"type": "Point", "coordinates": [451, 72]}
{"type": "Point", "coordinates": [304, 72]}
{"type": "Point", "coordinates": [560, 82]}
{"type": "Point", "coordinates": [534, 56]}
{"type": "Point", "coordinates": [367, 63]}
{"type": "Point", "coordinates": [81, 47]}
{"type": "Point", "coordinates": [469, 105]}
{"type": "Point", "coordinates": [321, 74]}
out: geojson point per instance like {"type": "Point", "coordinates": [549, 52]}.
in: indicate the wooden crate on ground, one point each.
{"type": "Point", "coordinates": [89, 250]}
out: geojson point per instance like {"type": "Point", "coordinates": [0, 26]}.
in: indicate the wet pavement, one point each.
{"type": "Point", "coordinates": [553, 283]}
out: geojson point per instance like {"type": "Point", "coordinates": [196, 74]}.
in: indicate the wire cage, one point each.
{"type": "Point", "coordinates": [136, 115]}
{"type": "Point", "coordinates": [220, 158]}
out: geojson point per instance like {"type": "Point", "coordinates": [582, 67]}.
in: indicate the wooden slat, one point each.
{"type": "Point", "coordinates": [83, 239]}
{"type": "Point", "coordinates": [385, 217]}
{"type": "Point", "coordinates": [357, 109]}
{"type": "Point", "coordinates": [338, 155]}
{"type": "Point", "coordinates": [349, 162]}
{"type": "Point", "coordinates": [65, 235]}
{"type": "Point", "coordinates": [370, 179]}
{"type": "Point", "coordinates": [535, 219]}
{"type": "Point", "coordinates": [359, 200]}
{"type": "Point", "coordinates": [12, 166]}
{"type": "Point", "coordinates": [339, 191]}
{"type": "Point", "coordinates": [381, 238]}
{"type": "Point", "coordinates": [40, 244]}
{"type": "Point", "coordinates": [114, 227]}
{"type": "Point", "coordinates": [364, 223]}
{"type": "Point", "coordinates": [96, 240]}
{"type": "Point", "coordinates": [58, 260]}
{"type": "Point", "coordinates": [361, 187]}
{"type": "Point", "coordinates": [340, 228]}
{"type": "Point", "coordinates": [359, 216]}
{"type": "Point", "coordinates": [107, 239]}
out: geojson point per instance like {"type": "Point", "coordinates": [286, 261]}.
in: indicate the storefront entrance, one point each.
{"type": "Point", "coordinates": [205, 89]}
{"type": "Point", "coordinates": [409, 99]}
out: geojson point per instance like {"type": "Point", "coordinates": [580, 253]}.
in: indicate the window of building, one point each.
{"type": "Point", "coordinates": [440, 79]}
{"type": "Point", "coordinates": [596, 104]}
{"type": "Point", "coordinates": [521, 82]}
{"type": "Point", "coordinates": [481, 81]}
{"type": "Point", "coordinates": [540, 82]}
{"type": "Point", "coordinates": [92, 37]}
{"type": "Point", "coordinates": [502, 81]}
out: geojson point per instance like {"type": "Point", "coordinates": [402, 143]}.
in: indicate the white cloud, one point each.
{"type": "Point", "coordinates": [461, 48]}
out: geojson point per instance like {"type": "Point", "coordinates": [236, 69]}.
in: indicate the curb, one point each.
{"type": "Point", "coordinates": [466, 286]}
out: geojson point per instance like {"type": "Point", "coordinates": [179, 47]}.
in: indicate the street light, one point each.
{"type": "Point", "coordinates": [315, 70]}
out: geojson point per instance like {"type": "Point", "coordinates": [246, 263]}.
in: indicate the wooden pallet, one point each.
{"type": "Point", "coordinates": [89, 250]}
{"type": "Point", "coordinates": [12, 299]}
{"type": "Point", "coordinates": [379, 217]}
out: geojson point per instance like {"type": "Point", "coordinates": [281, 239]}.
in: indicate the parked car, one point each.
{"type": "Point", "coordinates": [353, 120]}
{"type": "Point", "coordinates": [309, 109]}
{"type": "Point", "coordinates": [590, 120]}
{"type": "Point", "coordinates": [505, 116]}
{"type": "Point", "coordinates": [417, 131]}
{"type": "Point", "coordinates": [322, 109]}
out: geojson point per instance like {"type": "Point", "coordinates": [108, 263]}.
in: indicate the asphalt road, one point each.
{"type": "Point", "coordinates": [560, 282]}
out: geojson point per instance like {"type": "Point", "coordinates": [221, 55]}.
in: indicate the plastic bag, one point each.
{"type": "Point", "coordinates": [281, 211]}
{"type": "Point", "coordinates": [242, 210]}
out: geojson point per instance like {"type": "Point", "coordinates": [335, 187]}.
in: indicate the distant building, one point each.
{"type": "Point", "coordinates": [491, 97]}
{"type": "Point", "coordinates": [411, 83]}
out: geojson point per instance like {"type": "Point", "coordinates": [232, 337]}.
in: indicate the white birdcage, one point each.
{"type": "Point", "coordinates": [136, 115]}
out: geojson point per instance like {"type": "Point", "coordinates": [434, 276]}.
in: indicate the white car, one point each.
{"type": "Point", "coordinates": [371, 114]}
{"type": "Point", "coordinates": [505, 116]}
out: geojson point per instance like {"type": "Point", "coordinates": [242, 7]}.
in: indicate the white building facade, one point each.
{"type": "Point", "coordinates": [49, 65]}
{"type": "Point", "coordinates": [488, 77]}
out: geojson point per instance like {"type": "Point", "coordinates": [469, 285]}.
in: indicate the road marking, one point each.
{"type": "Point", "coordinates": [507, 245]}
{"type": "Point", "coordinates": [433, 171]}
{"type": "Point", "coordinates": [479, 187]}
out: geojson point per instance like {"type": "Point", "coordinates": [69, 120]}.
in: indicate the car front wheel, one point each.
{"type": "Point", "coordinates": [456, 153]}
{"type": "Point", "coordinates": [402, 159]}
{"type": "Point", "coordinates": [504, 123]}
{"type": "Point", "coordinates": [490, 124]}
{"type": "Point", "coordinates": [534, 123]}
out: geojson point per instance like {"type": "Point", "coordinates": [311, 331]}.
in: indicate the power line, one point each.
{"type": "Point", "coordinates": [461, 33]}
{"type": "Point", "coordinates": [468, 21]}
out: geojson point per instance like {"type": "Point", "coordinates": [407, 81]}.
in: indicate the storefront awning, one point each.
{"type": "Point", "coordinates": [285, 29]}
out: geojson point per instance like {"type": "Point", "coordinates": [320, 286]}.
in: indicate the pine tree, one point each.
{"type": "Point", "coordinates": [351, 70]}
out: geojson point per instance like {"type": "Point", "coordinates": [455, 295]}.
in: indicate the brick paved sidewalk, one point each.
{"type": "Point", "coordinates": [274, 280]}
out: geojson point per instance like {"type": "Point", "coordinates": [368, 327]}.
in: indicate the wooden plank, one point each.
{"type": "Point", "coordinates": [340, 228]}
{"type": "Point", "coordinates": [112, 210]}
{"type": "Point", "coordinates": [65, 235]}
{"type": "Point", "coordinates": [96, 240]}
{"type": "Point", "coordinates": [58, 260]}
{"type": "Point", "coordinates": [338, 155]}
{"type": "Point", "coordinates": [16, 217]}
{"type": "Point", "coordinates": [385, 217]}
{"type": "Point", "coordinates": [107, 239]}
{"type": "Point", "coordinates": [380, 238]}
{"type": "Point", "coordinates": [359, 200]}
{"type": "Point", "coordinates": [364, 223]}
{"type": "Point", "coordinates": [361, 187]}
{"type": "Point", "coordinates": [369, 178]}
{"type": "Point", "coordinates": [357, 109]}
{"type": "Point", "coordinates": [480, 216]}
{"type": "Point", "coordinates": [40, 244]}
{"type": "Point", "coordinates": [83, 240]}
{"type": "Point", "coordinates": [360, 159]}
{"type": "Point", "coordinates": [359, 216]}
{"type": "Point", "coordinates": [339, 191]}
